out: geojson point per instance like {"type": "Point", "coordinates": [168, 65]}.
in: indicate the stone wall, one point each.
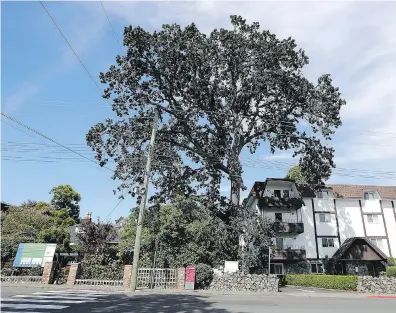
{"type": "Point", "coordinates": [245, 282]}
{"type": "Point", "coordinates": [363, 269]}
{"type": "Point", "coordinates": [383, 285]}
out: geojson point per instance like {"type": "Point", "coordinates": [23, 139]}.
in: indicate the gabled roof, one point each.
{"type": "Point", "coordinates": [348, 243]}
{"type": "Point", "coordinates": [340, 191]}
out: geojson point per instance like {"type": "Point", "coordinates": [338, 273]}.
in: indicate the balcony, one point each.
{"type": "Point", "coordinates": [288, 226]}
{"type": "Point", "coordinates": [272, 202]}
{"type": "Point", "coordinates": [289, 253]}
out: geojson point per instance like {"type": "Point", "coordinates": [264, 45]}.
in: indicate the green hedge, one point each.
{"type": "Point", "coordinates": [391, 271]}
{"type": "Point", "coordinates": [204, 275]}
{"type": "Point", "coordinates": [323, 281]}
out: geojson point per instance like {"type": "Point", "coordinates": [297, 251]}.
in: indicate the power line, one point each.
{"type": "Point", "coordinates": [22, 131]}
{"type": "Point", "coordinates": [52, 140]}
{"type": "Point", "coordinates": [115, 207]}
{"type": "Point", "coordinates": [70, 46]}
{"type": "Point", "coordinates": [111, 25]}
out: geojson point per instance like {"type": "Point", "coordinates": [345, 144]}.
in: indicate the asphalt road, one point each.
{"type": "Point", "coordinates": [66, 300]}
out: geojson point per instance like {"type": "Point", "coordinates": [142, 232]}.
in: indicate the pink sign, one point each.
{"type": "Point", "coordinates": [190, 274]}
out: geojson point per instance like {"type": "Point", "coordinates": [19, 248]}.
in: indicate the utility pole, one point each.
{"type": "Point", "coordinates": [136, 250]}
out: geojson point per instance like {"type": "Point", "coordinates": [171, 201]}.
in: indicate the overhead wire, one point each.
{"type": "Point", "coordinates": [111, 25]}
{"type": "Point", "coordinates": [52, 140]}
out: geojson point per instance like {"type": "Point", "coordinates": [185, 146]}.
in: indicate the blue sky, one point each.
{"type": "Point", "coordinates": [44, 86]}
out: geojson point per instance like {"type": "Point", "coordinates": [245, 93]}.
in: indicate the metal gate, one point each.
{"type": "Point", "coordinates": [163, 278]}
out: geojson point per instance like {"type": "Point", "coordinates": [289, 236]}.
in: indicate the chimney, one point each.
{"type": "Point", "coordinates": [87, 218]}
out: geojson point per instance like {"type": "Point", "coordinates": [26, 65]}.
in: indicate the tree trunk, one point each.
{"type": "Point", "coordinates": [235, 191]}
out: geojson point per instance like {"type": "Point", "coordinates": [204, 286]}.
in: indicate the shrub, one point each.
{"type": "Point", "coordinates": [204, 275]}
{"type": "Point", "coordinates": [323, 281]}
{"type": "Point", "coordinates": [391, 271]}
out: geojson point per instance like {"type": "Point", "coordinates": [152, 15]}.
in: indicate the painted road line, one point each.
{"type": "Point", "coordinates": [56, 297]}
{"type": "Point", "coordinates": [33, 306]}
{"type": "Point", "coordinates": [77, 292]}
{"type": "Point", "coordinates": [22, 312]}
{"type": "Point", "coordinates": [66, 294]}
{"type": "Point", "coordinates": [305, 290]}
{"type": "Point", "coordinates": [43, 300]}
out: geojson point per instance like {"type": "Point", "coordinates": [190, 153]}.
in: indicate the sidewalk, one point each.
{"type": "Point", "coordinates": [303, 292]}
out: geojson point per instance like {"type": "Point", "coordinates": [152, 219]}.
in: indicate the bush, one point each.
{"type": "Point", "coordinates": [204, 275]}
{"type": "Point", "coordinates": [323, 281]}
{"type": "Point", "coordinates": [391, 271]}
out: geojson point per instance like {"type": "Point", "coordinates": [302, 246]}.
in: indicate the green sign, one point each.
{"type": "Point", "coordinates": [34, 254]}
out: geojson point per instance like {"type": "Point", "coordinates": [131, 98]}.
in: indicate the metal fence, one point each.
{"type": "Point", "coordinates": [162, 278]}
{"type": "Point", "coordinates": [21, 279]}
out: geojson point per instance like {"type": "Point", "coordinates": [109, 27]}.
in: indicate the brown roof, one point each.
{"type": "Point", "coordinates": [340, 191]}
{"type": "Point", "coordinates": [357, 191]}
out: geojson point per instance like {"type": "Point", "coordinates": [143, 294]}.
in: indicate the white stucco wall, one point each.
{"type": "Point", "coordinates": [307, 238]}
{"type": "Point", "coordinates": [390, 220]}
{"type": "Point", "coordinates": [374, 229]}
{"type": "Point", "coordinates": [371, 206]}
{"type": "Point", "coordinates": [349, 219]}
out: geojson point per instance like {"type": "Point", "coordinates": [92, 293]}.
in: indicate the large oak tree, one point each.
{"type": "Point", "coordinates": [217, 94]}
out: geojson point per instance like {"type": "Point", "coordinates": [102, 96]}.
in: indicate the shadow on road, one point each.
{"type": "Point", "coordinates": [153, 303]}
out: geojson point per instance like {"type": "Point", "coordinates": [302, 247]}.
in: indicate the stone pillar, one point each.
{"type": "Point", "coordinates": [127, 276]}
{"type": "Point", "coordinates": [71, 279]}
{"type": "Point", "coordinates": [47, 273]}
{"type": "Point", "coordinates": [181, 276]}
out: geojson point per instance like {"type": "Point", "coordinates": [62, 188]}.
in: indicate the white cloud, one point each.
{"type": "Point", "coordinates": [15, 101]}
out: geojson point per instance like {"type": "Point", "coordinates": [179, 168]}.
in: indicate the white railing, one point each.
{"type": "Point", "coordinates": [291, 247]}
{"type": "Point", "coordinates": [99, 282]}
{"type": "Point", "coordinates": [285, 220]}
{"type": "Point", "coordinates": [21, 279]}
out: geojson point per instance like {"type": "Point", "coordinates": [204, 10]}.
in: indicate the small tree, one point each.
{"type": "Point", "coordinates": [65, 197]}
{"type": "Point", "coordinates": [95, 239]}
{"type": "Point", "coordinates": [295, 174]}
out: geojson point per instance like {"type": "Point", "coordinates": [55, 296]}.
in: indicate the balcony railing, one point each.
{"type": "Point", "coordinates": [290, 226]}
{"type": "Point", "coordinates": [284, 220]}
{"type": "Point", "coordinates": [275, 202]}
{"type": "Point", "coordinates": [290, 247]}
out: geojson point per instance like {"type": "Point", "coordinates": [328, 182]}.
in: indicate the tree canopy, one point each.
{"type": "Point", "coordinates": [295, 174]}
{"type": "Point", "coordinates": [187, 232]}
{"type": "Point", "coordinates": [65, 197]}
{"type": "Point", "coordinates": [217, 94]}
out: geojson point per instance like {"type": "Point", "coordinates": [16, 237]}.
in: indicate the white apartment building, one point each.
{"type": "Point", "coordinates": [347, 229]}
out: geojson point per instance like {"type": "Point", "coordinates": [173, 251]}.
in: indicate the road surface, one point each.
{"type": "Point", "coordinates": [72, 300]}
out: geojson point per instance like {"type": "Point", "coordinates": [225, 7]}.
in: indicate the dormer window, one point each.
{"type": "Point", "coordinates": [371, 195]}
{"type": "Point", "coordinates": [324, 194]}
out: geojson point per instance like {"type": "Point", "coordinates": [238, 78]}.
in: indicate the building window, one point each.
{"type": "Point", "coordinates": [278, 217]}
{"type": "Point", "coordinates": [277, 193]}
{"type": "Point", "coordinates": [276, 268]}
{"type": "Point", "coordinates": [317, 268]}
{"type": "Point", "coordinates": [286, 194]}
{"type": "Point", "coordinates": [378, 243]}
{"type": "Point", "coordinates": [372, 219]}
{"type": "Point", "coordinates": [370, 195]}
{"type": "Point", "coordinates": [327, 242]}
{"type": "Point", "coordinates": [325, 217]}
